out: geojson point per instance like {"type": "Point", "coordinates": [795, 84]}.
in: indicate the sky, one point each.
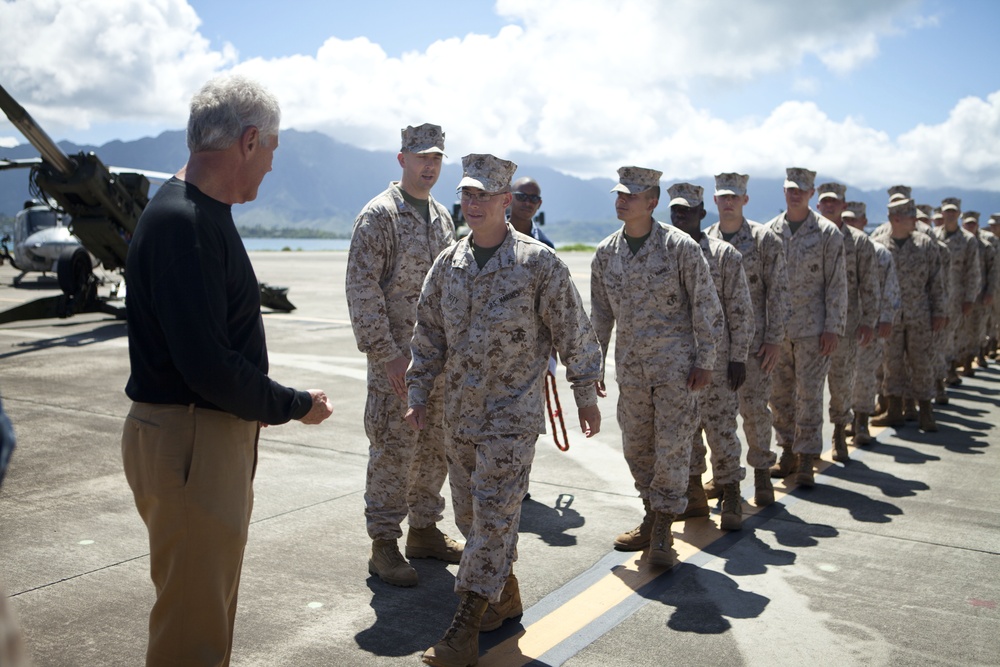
{"type": "Point", "coordinates": [869, 92]}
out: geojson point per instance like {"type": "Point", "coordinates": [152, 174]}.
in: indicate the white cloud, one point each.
{"type": "Point", "coordinates": [580, 85]}
{"type": "Point", "coordinates": [9, 142]}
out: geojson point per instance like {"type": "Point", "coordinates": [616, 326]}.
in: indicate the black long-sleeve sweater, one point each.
{"type": "Point", "coordinates": [193, 304]}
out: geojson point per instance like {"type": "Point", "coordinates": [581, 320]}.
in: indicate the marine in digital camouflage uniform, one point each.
{"type": "Point", "coordinates": [965, 282]}
{"type": "Point", "coordinates": [764, 267]}
{"type": "Point", "coordinates": [974, 332]}
{"type": "Point", "coordinates": [718, 402]}
{"type": "Point", "coordinates": [817, 280]}
{"type": "Point", "coordinates": [994, 328]}
{"type": "Point", "coordinates": [492, 308]}
{"type": "Point", "coordinates": [870, 358]}
{"type": "Point", "coordinates": [862, 313]}
{"type": "Point", "coordinates": [910, 363]}
{"type": "Point", "coordinates": [396, 237]}
{"type": "Point", "coordinates": [652, 284]}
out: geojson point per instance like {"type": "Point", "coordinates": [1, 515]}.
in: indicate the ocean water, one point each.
{"type": "Point", "coordinates": [296, 244]}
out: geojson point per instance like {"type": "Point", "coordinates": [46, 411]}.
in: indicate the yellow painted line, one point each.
{"type": "Point", "coordinates": [618, 585]}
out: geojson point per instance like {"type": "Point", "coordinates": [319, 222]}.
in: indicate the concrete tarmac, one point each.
{"type": "Point", "coordinates": [892, 559]}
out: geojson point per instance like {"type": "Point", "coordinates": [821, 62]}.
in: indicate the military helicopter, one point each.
{"type": "Point", "coordinates": [102, 205]}
{"type": "Point", "coordinates": [40, 236]}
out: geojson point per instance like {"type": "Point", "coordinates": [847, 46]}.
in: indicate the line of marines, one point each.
{"type": "Point", "coordinates": [739, 318]}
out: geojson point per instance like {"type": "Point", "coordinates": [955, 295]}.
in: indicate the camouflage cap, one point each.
{"type": "Point", "coordinates": [971, 216]}
{"type": "Point", "coordinates": [837, 190]}
{"type": "Point", "coordinates": [951, 204]}
{"type": "Point", "coordinates": [685, 194]}
{"type": "Point", "coordinates": [899, 192]}
{"type": "Point", "coordinates": [633, 180]}
{"type": "Point", "coordinates": [855, 209]}
{"type": "Point", "coordinates": [900, 205]}
{"type": "Point", "coordinates": [924, 211]}
{"type": "Point", "coordinates": [797, 177]}
{"type": "Point", "coordinates": [937, 215]}
{"type": "Point", "coordinates": [731, 184]}
{"type": "Point", "coordinates": [424, 138]}
{"type": "Point", "coordinates": [995, 219]}
{"type": "Point", "coordinates": [486, 172]}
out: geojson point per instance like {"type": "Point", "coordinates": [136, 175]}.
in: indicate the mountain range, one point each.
{"type": "Point", "coordinates": [320, 183]}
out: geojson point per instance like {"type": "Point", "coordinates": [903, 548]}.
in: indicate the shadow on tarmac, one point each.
{"type": "Point", "coordinates": [894, 487]}
{"type": "Point", "coordinates": [109, 331]}
{"type": "Point", "coordinates": [399, 629]}
{"type": "Point", "coordinates": [551, 523]}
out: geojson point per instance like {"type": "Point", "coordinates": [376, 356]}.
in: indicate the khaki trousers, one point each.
{"type": "Point", "coordinates": [191, 472]}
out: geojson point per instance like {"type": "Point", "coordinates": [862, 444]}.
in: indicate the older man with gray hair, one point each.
{"type": "Point", "coordinates": [199, 381]}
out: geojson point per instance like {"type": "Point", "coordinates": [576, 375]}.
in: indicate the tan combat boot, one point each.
{"type": "Point", "coordinates": [661, 553]}
{"type": "Point", "coordinates": [637, 539]}
{"type": "Point", "coordinates": [763, 490]}
{"type": "Point", "coordinates": [940, 394]}
{"type": "Point", "coordinates": [509, 606]}
{"type": "Point", "coordinates": [697, 500]}
{"type": "Point", "coordinates": [804, 474]}
{"type": "Point", "coordinates": [893, 416]}
{"type": "Point", "coordinates": [460, 645]}
{"type": "Point", "coordinates": [732, 507]}
{"type": "Point", "coordinates": [389, 565]}
{"type": "Point", "coordinates": [927, 423]}
{"type": "Point", "coordinates": [909, 410]}
{"type": "Point", "coordinates": [840, 444]}
{"type": "Point", "coordinates": [786, 463]}
{"type": "Point", "coordinates": [430, 542]}
{"type": "Point", "coordinates": [862, 436]}
{"type": "Point", "coordinates": [712, 491]}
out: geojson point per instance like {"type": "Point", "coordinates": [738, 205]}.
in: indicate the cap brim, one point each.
{"type": "Point", "coordinates": [827, 195]}
{"type": "Point", "coordinates": [432, 149]}
{"type": "Point", "coordinates": [681, 201]}
{"type": "Point", "coordinates": [848, 214]}
{"type": "Point", "coordinates": [629, 190]}
{"type": "Point", "coordinates": [722, 193]}
{"type": "Point", "coordinates": [469, 182]}
{"type": "Point", "coordinates": [949, 207]}
{"type": "Point", "coordinates": [793, 184]}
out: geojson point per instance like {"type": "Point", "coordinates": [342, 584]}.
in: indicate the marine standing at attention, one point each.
{"type": "Point", "coordinates": [764, 266]}
{"type": "Point", "coordinates": [718, 403]}
{"type": "Point", "coordinates": [651, 282]}
{"type": "Point", "coordinates": [396, 237]}
{"type": "Point", "coordinates": [817, 281]}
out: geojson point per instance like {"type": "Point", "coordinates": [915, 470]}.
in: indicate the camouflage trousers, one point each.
{"type": "Point", "coordinates": [797, 395]}
{"type": "Point", "coordinates": [406, 468]}
{"type": "Point", "coordinates": [489, 477]}
{"type": "Point", "coordinates": [867, 378]}
{"type": "Point", "coordinates": [841, 378]}
{"type": "Point", "coordinates": [757, 420]}
{"type": "Point", "coordinates": [953, 334]}
{"type": "Point", "coordinates": [941, 340]}
{"type": "Point", "coordinates": [717, 405]}
{"type": "Point", "coordinates": [973, 332]}
{"type": "Point", "coordinates": [658, 424]}
{"type": "Point", "coordinates": [910, 361]}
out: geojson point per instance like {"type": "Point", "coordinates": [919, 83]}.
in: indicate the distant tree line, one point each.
{"type": "Point", "coordinates": [261, 232]}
